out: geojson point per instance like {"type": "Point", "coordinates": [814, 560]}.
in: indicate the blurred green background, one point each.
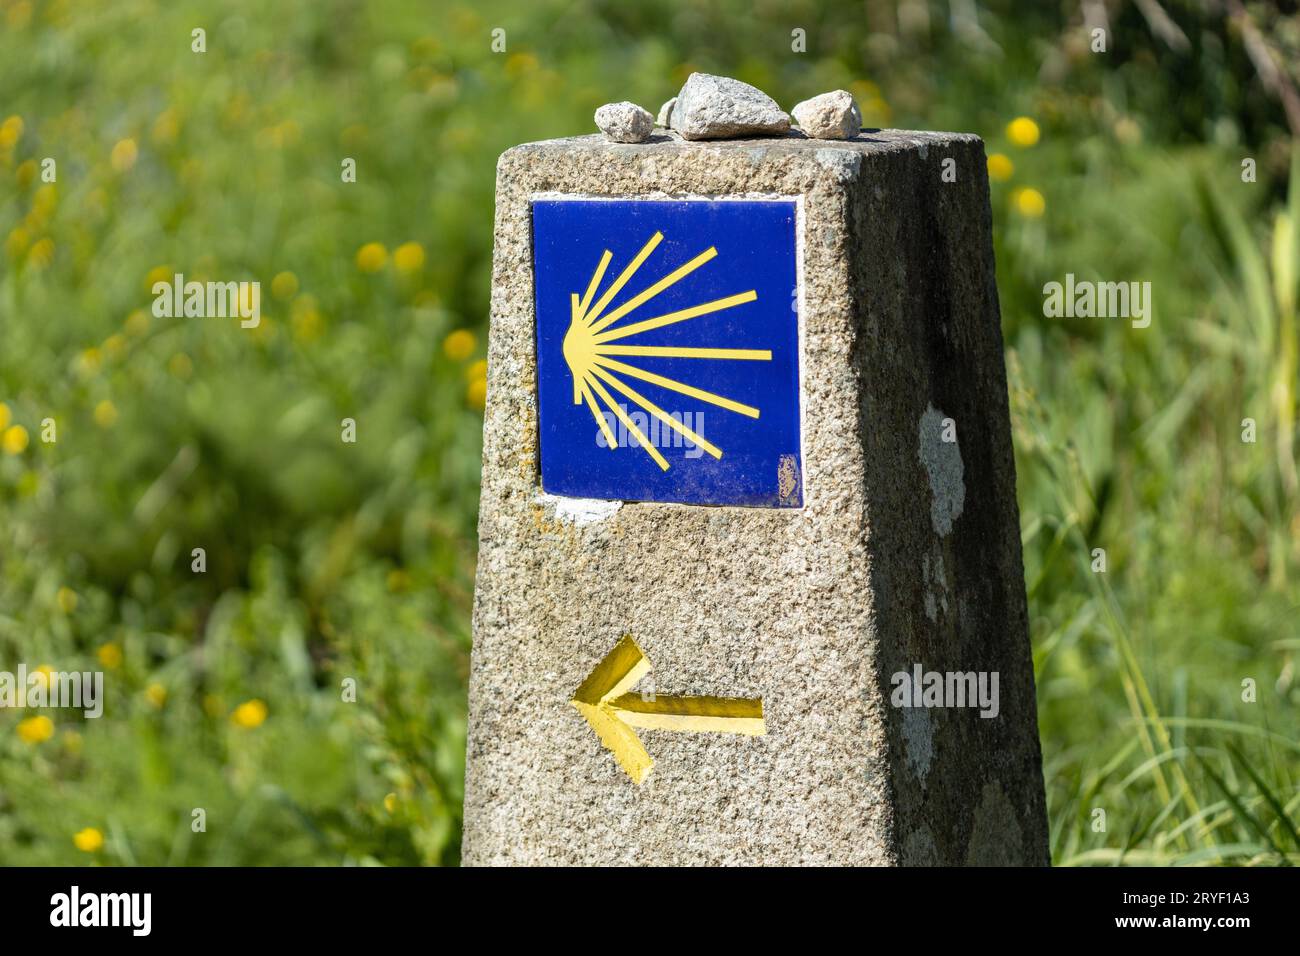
{"type": "Point", "coordinates": [328, 561]}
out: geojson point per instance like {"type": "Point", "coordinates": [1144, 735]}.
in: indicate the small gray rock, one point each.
{"type": "Point", "coordinates": [832, 115]}
{"type": "Point", "coordinates": [718, 107]}
{"type": "Point", "coordinates": [665, 118]}
{"type": "Point", "coordinates": [625, 122]}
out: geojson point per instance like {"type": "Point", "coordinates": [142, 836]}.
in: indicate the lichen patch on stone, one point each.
{"type": "Point", "coordinates": [943, 467]}
{"type": "Point", "coordinates": [918, 740]}
{"type": "Point", "coordinates": [995, 838]}
{"type": "Point", "coordinates": [919, 848]}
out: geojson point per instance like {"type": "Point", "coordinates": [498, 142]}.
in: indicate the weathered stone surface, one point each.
{"type": "Point", "coordinates": [833, 115]}
{"type": "Point", "coordinates": [625, 122]}
{"type": "Point", "coordinates": [665, 117]}
{"type": "Point", "coordinates": [907, 550]}
{"type": "Point", "coordinates": [718, 107]}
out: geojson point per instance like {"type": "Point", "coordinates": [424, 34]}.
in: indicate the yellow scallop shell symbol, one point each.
{"type": "Point", "coordinates": [590, 347]}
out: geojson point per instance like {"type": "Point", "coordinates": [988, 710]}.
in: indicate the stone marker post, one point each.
{"type": "Point", "coordinates": [749, 584]}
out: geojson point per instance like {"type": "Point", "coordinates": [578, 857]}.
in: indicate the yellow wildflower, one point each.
{"type": "Point", "coordinates": [284, 285]}
{"type": "Point", "coordinates": [14, 440]}
{"type": "Point", "coordinates": [89, 360]}
{"type": "Point", "coordinates": [459, 345]}
{"type": "Point", "coordinates": [518, 64]}
{"type": "Point", "coordinates": [43, 673]}
{"type": "Point", "coordinates": [35, 730]}
{"type": "Point", "coordinates": [88, 840]}
{"type": "Point", "coordinates": [307, 324]}
{"type": "Point", "coordinates": [105, 414]}
{"type": "Point", "coordinates": [165, 127]}
{"type": "Point", "coordinates": [42, 253]}
{"type": "Point", "coordinates": [17, 242]}
{"type": "Point", "coordinates": [1029, 202]}
{"type": "Point", "coordinates": [371, 257]}
{"type": "Point", "coordinates": [1023, 132]}
{"type": "Point", "coordinates": [124, 155]}
{"type": "Point", "coordinates": [44, 200]}
{"type": "Point", "coordinates": [249, 714]}
{"type": "Point", "coordinates": [137, 323]}
{"type": "Point", "coordinates": [11, 131]}
{"type": "Point", "coordinates": [476, 393]}
{"type": "Point", "coordinates": [1000, 167]}
{"type": "Point", "coordinates": [409, 257]}
{"type": "Point", "coordinates": [162, 273]}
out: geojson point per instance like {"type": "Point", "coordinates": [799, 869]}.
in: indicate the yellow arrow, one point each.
{"type": "Point", "coordinates": [604, 700]}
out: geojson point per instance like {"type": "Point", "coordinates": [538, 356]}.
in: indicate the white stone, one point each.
{"type": "Point", "coordinates": [665, 118]}
{"type": "Point", "coordinates": [718, 107]}
{"type": "Point", "coordinates": [832, 115]}
{"type": "Point", "coordinates": [625, 122]}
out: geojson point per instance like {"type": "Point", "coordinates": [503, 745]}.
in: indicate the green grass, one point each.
{"type": "Point", "coordinates": [328, 561]}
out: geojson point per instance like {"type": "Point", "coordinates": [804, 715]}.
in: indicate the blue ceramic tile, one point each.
{"type": "Point", "coordinates": [668, 351]}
